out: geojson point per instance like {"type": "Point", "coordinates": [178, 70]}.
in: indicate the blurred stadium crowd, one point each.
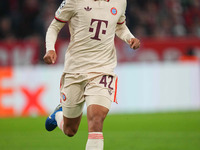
{"type": "Point", "coordinates": [27, 19]}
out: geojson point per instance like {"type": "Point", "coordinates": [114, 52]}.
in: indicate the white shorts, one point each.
{"type": "Point", "coordinates": [92, 88]}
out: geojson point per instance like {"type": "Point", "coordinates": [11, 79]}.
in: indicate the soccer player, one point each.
{"type": "Point", "coordinates": [90, 60]}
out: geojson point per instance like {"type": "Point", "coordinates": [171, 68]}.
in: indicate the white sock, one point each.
{"type": "Point", "coordinates": [59, 119]}
{"type": "Point", "coordinates": [95, 141]}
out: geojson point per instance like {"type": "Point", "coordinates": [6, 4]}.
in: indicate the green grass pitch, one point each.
{"type": "Point", "coordinates": [161, 131]}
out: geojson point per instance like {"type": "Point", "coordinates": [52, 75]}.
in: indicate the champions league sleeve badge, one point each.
{"type": "Point", "coordinates": [58, 12]}
{"type": "Point", "coordinates": [62, 4]}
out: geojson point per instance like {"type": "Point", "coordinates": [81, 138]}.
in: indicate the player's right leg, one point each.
{"type": "Point", "coordinates": [51, 122]}
{"type": "Point", "coordinates": [72, 99]}
{"type": "Point", "coordinates": [69, 126]}
{"type": "Point", "coordinates": [69, 119]}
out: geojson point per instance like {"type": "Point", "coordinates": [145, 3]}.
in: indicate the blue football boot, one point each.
{"type": "Point", "coordinates": [51, 123]}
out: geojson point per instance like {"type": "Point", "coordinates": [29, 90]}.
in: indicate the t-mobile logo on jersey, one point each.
{"type": "Point", "coordinates": [98, 28]}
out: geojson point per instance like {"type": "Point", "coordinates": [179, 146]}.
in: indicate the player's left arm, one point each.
{"type": "Point", "coordinates": [134, 43]}
{"type": "Point", "coordinates": [124, 34]}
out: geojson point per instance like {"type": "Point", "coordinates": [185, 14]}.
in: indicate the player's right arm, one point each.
{"type": "Point", "coordinates": [62, 15]}
{"type": "Point", "coordinates": [51, 37]}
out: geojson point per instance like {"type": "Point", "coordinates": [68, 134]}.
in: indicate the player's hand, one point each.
{"type": "Point", "coordinates": [134, 43]}
{"type": "Point", "coordinates": [50, 57]}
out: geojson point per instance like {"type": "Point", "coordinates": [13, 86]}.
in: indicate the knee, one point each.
{"type": "Point", "coordinates": [69, 132]}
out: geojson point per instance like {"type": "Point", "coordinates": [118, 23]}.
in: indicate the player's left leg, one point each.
{"type": "Point", "coordinates": [99, 94]}
{"type": "Point", "coordinates": [97, 110]}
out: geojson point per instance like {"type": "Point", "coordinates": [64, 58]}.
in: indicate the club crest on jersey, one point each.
{"type": "Point", "coordinates": [113, 11]}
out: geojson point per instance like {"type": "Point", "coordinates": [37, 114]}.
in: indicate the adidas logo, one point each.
{"type": "Point", "coordinates": [110, 92]}
{"type": "Point", "coordinates": [88, 8]}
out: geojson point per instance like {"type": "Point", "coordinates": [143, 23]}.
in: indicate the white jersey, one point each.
{"type": "Point", "coordinates": [92, 26]}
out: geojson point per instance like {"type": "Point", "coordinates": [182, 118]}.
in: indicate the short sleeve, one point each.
{"type": "Point", "coordinates": [65, 11]}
